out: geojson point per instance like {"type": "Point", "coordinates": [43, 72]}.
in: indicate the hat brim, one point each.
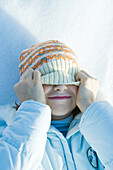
{"type": "Point", "coordinates": [56, 78]}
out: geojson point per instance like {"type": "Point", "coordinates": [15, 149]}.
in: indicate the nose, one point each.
{"type": "Point", "coordinates": [60, 88]}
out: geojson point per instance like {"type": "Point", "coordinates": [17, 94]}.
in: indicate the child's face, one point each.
{"type": "Point", "coordinates": [61, 99]}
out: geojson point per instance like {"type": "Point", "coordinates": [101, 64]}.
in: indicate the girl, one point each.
{"type": "Point", "coordinates": [59, 124]}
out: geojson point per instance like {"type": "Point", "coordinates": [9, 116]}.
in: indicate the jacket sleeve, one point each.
{"type": "Point", "coordinates": [23, 142]}
{"type": "Point", "coordinates": [96, 125]}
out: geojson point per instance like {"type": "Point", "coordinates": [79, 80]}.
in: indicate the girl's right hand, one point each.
{"type": "Point", "coordinates": [30, 87]}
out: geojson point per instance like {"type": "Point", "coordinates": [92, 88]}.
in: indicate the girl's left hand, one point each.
{"type": "Point", "coordinates": [87, 90]}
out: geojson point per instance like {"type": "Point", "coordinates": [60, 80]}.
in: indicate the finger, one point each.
{"type": "Point", "coordinates": [37, 75]}
{"type": "Point", "coordinates": [81, 76]}
{"type": "Point", "coordinates": [86, 73]}
{"type": "Point", "coordinates": [29, 74]}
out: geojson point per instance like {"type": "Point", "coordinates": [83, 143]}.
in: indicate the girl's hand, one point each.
{"type": "Point", "coordinates": [30, 87]}
{"type": "Point", "coordinates": [87, 90]}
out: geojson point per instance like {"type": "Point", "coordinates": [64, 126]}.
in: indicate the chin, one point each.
{"type": "Point", "coordinates": [61, 112]}
{"type": "Point", "coordinates": [60, 116]}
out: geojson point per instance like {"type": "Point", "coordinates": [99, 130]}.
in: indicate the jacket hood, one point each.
{"type": "Point", "coordinates": [7, 112]}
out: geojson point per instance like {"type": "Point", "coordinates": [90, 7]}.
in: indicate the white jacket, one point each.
{"type": "Point", "coordinates": [29, 142]}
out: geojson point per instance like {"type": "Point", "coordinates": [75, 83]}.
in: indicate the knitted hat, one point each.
{"type": "Point", "coordinates": [57, 62]}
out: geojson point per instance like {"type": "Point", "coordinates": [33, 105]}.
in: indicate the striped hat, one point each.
{"type": "Point", "coordinates": [57, 62]}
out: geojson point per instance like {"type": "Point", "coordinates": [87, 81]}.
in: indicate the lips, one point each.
{"type": "Point", "coordinates": [59, 97]}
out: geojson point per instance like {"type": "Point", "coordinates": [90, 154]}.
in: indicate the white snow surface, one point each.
{"type": "Point", "coordinates": [84, 25]}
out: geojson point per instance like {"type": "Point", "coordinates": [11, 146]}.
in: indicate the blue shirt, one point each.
{"type": "Point", "coordinates": [63, 124]}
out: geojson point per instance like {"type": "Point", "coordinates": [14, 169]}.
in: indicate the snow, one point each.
{"type": "Point", "coordinates": [86, 26]}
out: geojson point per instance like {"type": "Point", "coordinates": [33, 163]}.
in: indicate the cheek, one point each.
{"type": "Point", "coordinates": [46, 88]}
{"type": "Point", "coordinates": [74, 89]}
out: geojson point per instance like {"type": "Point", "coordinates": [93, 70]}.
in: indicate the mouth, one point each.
{"type": "Point", "coordinates": [59, 97]}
